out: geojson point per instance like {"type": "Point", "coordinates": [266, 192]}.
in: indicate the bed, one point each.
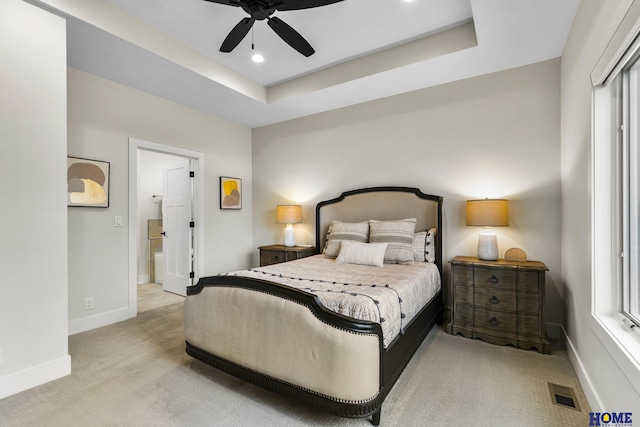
{"type": "Point", "coordinates": [319, 329]}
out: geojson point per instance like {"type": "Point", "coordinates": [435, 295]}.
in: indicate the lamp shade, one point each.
{"type": "Point", "coordinates": [288, 214]}
{"type": "Point", "coordinates": [488, 212]}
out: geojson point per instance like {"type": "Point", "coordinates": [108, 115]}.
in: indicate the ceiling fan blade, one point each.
{"type": "Point", "coordinates": [235, 3]}
{"type": "Point", "coordinates": [291, 36]}
{"type": "Point", "coordinates": [303, 4]}
{"type": "Point", "coordinates": [236, 35]}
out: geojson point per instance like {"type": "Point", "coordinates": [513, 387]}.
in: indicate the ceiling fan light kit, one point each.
{"type": "Point", "coordinates": [260, 10]}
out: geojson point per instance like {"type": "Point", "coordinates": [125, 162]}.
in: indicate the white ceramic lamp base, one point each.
{"type": "Point", "coordinates": [487, 247]}
{"type": "Point", "coordinates": [289, 236]}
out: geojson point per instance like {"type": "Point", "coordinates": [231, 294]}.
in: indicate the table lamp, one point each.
{"type": "Point", "coordinates": [488, 213]}
{"type": "Point", "coordinates": [289, 214]}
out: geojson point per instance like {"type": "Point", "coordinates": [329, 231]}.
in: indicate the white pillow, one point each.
{"type": "Point", "coordinates": [362, 253]}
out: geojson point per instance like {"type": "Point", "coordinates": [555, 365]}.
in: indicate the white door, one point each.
{"type": "Point", "coordinates": [177, 241]}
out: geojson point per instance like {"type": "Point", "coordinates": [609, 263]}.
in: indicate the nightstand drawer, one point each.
{"type": "Point", "coordinates": [274, 257]}
{"type": "Point", "coordinates": [528, 303]}
{"type": "Point", "coordinates": [494, 299]}
{"type": "Point", "coordinates": [497, 322]}
{"type": "Point", "coordinates": [464, 316]}
{"type": "Point", "coordinates": [490, 277]}
{"type": "Point", "coordinates": [275, 254]}
{"type": "Point", "coordinates": [464, 294]}
{"type": "Point", "coordinates": [528, 281]}
{"type": "Point", "coordinates": [529, 325]}
{"type": "Point", "coordinates": [463, 275]}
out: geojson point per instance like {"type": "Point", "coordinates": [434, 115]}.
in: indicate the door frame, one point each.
{"type": "Point", "coordinates": [136, 145]}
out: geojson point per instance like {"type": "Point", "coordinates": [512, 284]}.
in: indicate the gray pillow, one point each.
{"type": "Point", "coordinates": [352, 231]}
{"type": "Point", "coordinates": [399, 236]}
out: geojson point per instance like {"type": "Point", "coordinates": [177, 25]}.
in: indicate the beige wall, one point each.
{"type": "Point", "coordinates": [608, 387]}
{"type": "Point", "coordinates": [33, 230]}
{"type": "Point", "coordinates": [102, 117]}
{"type": "Point", "coordinates": [492, 136]}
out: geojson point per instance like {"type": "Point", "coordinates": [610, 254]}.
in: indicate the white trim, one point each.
{"type": "Point", "coordinates": [621, 47]}
{"type": "Point", "coordinates": [198, 212]}
{"type": "Point", "coordinates": [587, 386]}
{"type": "Point", "coordinates": [34, 376]}
{"type": "Point", "coordinates": [143, 278]}
{"type": "Point", "coordinates": [621, 344]}
{"type": "Point", "coordinates": [98, 321]}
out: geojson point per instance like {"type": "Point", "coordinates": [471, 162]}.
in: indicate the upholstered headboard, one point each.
{"type": "Point", "coordinates": [382, 203]}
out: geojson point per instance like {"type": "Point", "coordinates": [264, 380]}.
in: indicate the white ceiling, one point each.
{"type": "Point", "coordinates": [365, 49]}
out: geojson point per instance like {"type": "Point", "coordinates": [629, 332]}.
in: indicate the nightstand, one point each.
{"type": "Point", "coordinates": [500, 302]}
{"type": "Point", "coordinates": [274, 254]}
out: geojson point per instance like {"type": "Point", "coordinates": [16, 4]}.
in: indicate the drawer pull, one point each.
{"type": "Point", "coordinates": [493, 279]}
{"type": "Point", "coordinates": [494, 321]}
{"type": "Point", "coordinates": [494, 300]}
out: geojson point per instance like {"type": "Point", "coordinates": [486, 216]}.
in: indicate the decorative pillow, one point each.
{"type": "Point", "coordinates": [424, 246]}
{"type": "Point", "coordinates": [399, 236]}
{"type": "Point", "coordinates": [341, 231]}
{"type": "Point", "coordinates": [419, 246]}
{"type": "Point", "coordinates": [362, 253]}
{"type": "Point", "coordinates": [326, 239]}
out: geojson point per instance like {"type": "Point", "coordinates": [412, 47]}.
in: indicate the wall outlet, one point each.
{"type": "Point", "coordinates": [88, 304]}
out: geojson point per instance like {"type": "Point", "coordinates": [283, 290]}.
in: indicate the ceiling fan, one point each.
{"type": "Point", "coordinates": [263, 9]}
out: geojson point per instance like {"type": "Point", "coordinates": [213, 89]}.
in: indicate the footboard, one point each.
{"type": "Point", "coordinates": [283, 339]}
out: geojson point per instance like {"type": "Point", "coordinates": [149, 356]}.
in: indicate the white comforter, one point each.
{"type": "Point", "coordinates": [391, 295]}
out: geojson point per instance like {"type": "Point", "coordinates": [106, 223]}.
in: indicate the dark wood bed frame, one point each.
{"type": "Point", "coordinates": [393, 359]}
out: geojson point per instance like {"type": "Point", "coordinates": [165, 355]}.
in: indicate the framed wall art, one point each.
{"type": "Point", "coordinates": [87, 183]}
{"type": "Point", "coordinates": [230, 193]}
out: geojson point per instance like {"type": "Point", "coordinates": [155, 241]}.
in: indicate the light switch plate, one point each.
{"type": "Point", "coordinates": [117, 222]}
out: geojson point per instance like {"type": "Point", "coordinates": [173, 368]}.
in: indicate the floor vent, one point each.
{"type": "Point", "coordinates": [563, 396]}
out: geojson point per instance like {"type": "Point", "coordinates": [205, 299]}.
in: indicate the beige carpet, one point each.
{"type": "Point", "coordinates": [136, 373]}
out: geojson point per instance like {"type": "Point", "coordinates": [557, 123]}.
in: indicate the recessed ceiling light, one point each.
{"type": "Point", "coordinates": [256, 57]}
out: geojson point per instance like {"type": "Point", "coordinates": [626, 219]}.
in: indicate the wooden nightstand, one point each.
{"type": "Point", "coordinates": [500, 302]}
{"type": "Point", "coordinates": [274, 254]}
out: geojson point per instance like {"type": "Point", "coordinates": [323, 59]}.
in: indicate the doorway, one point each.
{"type": "Point", "coordinates": [152, 248]}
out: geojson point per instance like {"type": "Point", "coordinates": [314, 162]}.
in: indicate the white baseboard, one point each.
{"type": "Point", "coordinates": [583, 377]}
{"type": "Point", "coordinates": [99, 320]}
{"type": "Point", "coordinates": [143, 278]}
{"type": "Point", "coordinates": [34, 376]}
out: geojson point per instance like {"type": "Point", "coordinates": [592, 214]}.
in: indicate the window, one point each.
{"type": "Point", "coordinates": [615, 199]}
{"type": "Point", "coordinates": [629, 169]}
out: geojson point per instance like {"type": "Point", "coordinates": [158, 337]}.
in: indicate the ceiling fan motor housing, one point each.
{"type": "Point", "coordinates": [258, 9]}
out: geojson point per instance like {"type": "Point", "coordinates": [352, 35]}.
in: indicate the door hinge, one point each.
{"type": "Point", "coordinates": [192, 174]}
{"type": "Point", "coordinates": [192, 224]}
{"type": "Point", "coordinates": [192, 275]}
